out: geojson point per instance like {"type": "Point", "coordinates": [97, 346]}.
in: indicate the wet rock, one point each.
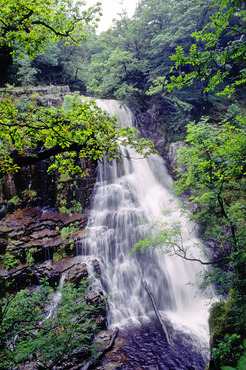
{"type": "Point", "coordinates": [3, 245]}
{"type": "Point", "coordinates": [32, 236]}
{"type": "Point", "coordinates": [73, 268]}
{"type": "Point", "coordinates": [97, 268]}
{"type": "Point", "coordinates": [114, 358]}
{"type": "Point", "coordinates": [29, 366]}
{"type": "Point", "coordinates": [18, 278]}
{"type": "Point", "coordinates": [40, 230]}
{"type": "Point", "coordinates": [94, 298]}
{"type": "Point", "coordinates": [173, 155]}
{"type": "Point", "coordinates": [77, 273]}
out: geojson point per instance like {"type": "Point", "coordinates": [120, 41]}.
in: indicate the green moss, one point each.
{"type": "Point", "coordinates": [227, 327]}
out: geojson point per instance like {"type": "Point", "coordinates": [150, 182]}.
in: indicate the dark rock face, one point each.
{"type": "Point", "coordinates": [163, 121]}
{"type": "Point", "coordinates": [35, 235]}
{"type": "Point", "coordinates": [73, 269]}
{"type": "Point", "coordinates": [148, 124]}
{"type": "Point", "coordinates": [173, 156]}
{"type": "Point", "coordinates": [38, 228]}
{"type": "Point", "coordinates": [36, 187]}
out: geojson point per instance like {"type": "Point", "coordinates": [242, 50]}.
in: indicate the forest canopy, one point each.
{"type": "Point", "coordinates": [27, 26]}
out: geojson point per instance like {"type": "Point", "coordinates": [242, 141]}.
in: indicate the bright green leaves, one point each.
{"type": "Point", "coordinates": [214, 154]}
{"type": "Point", "coordinates": [128, 137]}
{"type": "Point", "coordinates": [160, 234]}
{"type": "Point", "coordinates": [219, 47]}
{"type": "Point", "coordinates": [32, 24]}
{"type": "Point", "coordinates": [9, 135]}
{"type": "Point", "coordinates": [215, 168]}
{"type": "Point", "coordinates": [83, 131]}
{"type": "Point", "coordinates": [28, 333]}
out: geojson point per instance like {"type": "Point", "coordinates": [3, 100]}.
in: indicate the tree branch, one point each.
{"type": "Point", "coordinates": [36, 157]}
{"type": "Point", "coordinates": [163, 326]}
{"type": "Point", "coordinates": [57, 33]}
{"type": "Point", "coordinates": [181, 252]}
{"type": "Point", "coordinates": [176, 253]}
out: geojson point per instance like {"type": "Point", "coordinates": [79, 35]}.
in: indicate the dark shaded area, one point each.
{"type": "Point", "coordinates": [5, 62]}
{"type": "Point", "coordinates": [146, 348]}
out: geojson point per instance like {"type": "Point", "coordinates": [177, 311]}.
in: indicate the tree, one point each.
{"type": "Point", "coordinates": [26, 73]}
{"type": "Point", "coordinates": [134, 52]}
{"type": "Point", "coordinates": [219, 52]}
{"type": "Point", "coordinates": [30, 25]}
{"type": "Point", "coordinates": [34, 328]}
{"type": "Point", "coordinates": [214, 158]}
{"type": "Point", "coordinates": [83, 131]}
{"type": "Point", "coordinates": [120, 74]}
{"type": "Point", "coordinates": [61, 63]}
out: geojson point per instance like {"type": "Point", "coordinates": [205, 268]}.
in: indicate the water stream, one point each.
{"type": "Point", "coordinates": [126, 193]}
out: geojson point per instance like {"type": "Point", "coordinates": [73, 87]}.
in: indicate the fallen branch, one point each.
{"type": "Point", "coordinates": [164, 329]}
{"type": "Point", "coordinates": [104, 350]}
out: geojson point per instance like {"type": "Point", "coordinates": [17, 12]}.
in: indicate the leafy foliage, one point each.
{"type": "Point", "coordinates": [31, 24]}
{"type": "Point", "coordinates": [8, 261]}
{"type": "Point", "coordinates": [124, 60]}
{"type": "Point", "coordinates": [226, 349]}
{"type": "Point", "coordinates": [214, 158]}
{"type": "Point", "coordinates": [83, 131]}
{"type": "Point", "coordinates": [227, 323]}
{"type": "Point", "coordinates": [31, 331]}
{"type": "Point", "coordinates": [26, 74]}
{"type": "Point", "coordinates": [214, 178]}
{"type": "Point", "coordinates": [219, 52]}
{"type": "Point", "coordinates": [241, 364]}
{"type": "Point", "coordinates": [27, 26]}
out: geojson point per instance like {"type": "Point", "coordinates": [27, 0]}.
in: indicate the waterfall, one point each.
{"type": "Point", "coordinates": [56, 298]}
{"type": "Point", "coordinates": [126, 193]}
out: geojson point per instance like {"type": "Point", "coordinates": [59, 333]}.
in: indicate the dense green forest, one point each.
{"type": "Point", "coordinates": [187, 56]}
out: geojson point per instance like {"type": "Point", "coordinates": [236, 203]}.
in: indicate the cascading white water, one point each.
{"type": "Point", "coordinates": [126, 193]}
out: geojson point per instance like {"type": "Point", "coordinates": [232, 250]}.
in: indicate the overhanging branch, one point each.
{"type": "Point", "coordinates": [37, 156]}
